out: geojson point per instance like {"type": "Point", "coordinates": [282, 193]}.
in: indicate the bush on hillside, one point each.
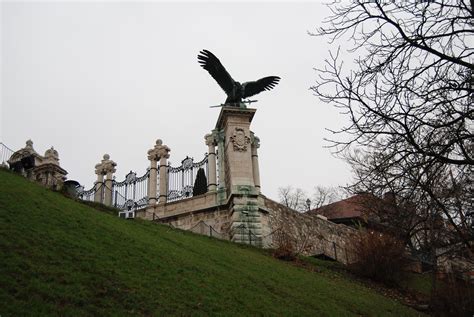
{"type": "Point", "coordinates": [453, 297]}
{"type": "Point", "coordinates": [289, 244]}
{"type": "Point", "coordinates": [380, 257]}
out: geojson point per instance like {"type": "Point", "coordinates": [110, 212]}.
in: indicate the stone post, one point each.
{"type": "Point", "coordinates": [159, 153]}
{"type": "Point", "coordinates": [221, 163]}
{"type": "Point", "coordinates": [255, 167]}
{"type": "Point", "coordinates": [240, 180]}
{"type": "Point", "coordinates": [105, 167]}
{"type": "Point", "coordinates": [153, 180]}
{"type": "Point", "coordinates": [99, 188]}
{"type": "Point", "coordinates": [212, 177]}
{"type": "Point", "coordinates": [109, 169]}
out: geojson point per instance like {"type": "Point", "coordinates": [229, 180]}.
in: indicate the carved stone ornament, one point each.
{"type": "Point", "coordinates": [159, 151]}
{"type": "Point", "coordinates": [240, 140]}
{"type": "Point", "coordinates": [210, 139]}
{"type": "Point", "coordinates": [105, 166]}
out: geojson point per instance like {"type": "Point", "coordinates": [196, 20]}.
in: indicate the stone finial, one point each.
{"type": "Point", "coordinates": [29, 144]}
{"type": "Point", "coordinates": [159, 151]}
{"type": "Point", "coordinates": [51, 156]}
{"type": "Point", "coordinates": [105, 166]}
{"type": "Point", "coordinates": [210, 139]}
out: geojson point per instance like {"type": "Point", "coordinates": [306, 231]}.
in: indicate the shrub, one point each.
{"type": "Point", "coordinates": [200, 184]}
{"type": "Point", "coordinates": [284, 246]}
{"type": "Point", "coordinates": [289, 244]}
{"type": "Point", "coordinates": [453, 297]}
{"type": "Point", "coordinates": [380, 257]}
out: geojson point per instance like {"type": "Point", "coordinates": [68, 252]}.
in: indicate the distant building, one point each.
{"type": "Point", "coordinates": [352, 211]}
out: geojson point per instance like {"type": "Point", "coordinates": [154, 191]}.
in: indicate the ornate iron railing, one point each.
{"type": "Point", "coordinates": [5, 153]}
{"type": "Point", "coordinates": [131, 193]}
{"type": "Point", "coordinates": [89, 195]}
{"type": "Point", "coordinates": [181, 179]}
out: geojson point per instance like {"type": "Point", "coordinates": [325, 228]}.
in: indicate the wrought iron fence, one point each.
{"type": "Point", "coordinates": [131, 193]}
{"type": "Point", "coordinates": [89, 195]}
{"type": "Point", "coordinates": [5, 153]}
{"type": "Point", "coordinates": [181, 179]}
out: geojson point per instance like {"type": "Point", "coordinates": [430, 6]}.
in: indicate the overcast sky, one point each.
{"type": "Point", "coordinates": [92, 78]}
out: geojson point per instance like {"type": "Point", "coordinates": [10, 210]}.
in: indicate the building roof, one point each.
{"type": "Point", "coordinates": [349, 208]}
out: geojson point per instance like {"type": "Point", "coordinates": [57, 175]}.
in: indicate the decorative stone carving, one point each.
{"type": "Point", "coordinates": [240, 140]}
{"type": "Point", "coordinates": [26, 152]}
{"type": "Point", "coordinates": [43, 169]}
{"type": "Point", "coordinates": [159, 151]}
{"type": "Point", "coordinates": [210, 139]}
{"type": "Point", "coordinates": [51, 156]}
{"type": "Point", "coordinates": [106, 166]}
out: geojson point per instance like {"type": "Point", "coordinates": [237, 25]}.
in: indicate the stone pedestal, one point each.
{"type": "Point", "coordinates": [237, 173]}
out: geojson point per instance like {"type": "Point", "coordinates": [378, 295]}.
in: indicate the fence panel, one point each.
{"type": "Point", "coordinates": [5, 153]}
{"type": "Point", "coordinates": [181, 179]}
{"type": "Point", "coordinates": [89, 195]}
{"type": "Point", "coordinates": [132, 192]}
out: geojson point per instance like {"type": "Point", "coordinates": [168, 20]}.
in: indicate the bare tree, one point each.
{"type": "Point", "coordinates": [297, 199]}
{"type": "Point", "coordinates": [324, 195]}
{"type": "Point", "coordinates": [412, 87]}
{"type": "Point", "coordinates": [426, 205]}
{"type": "Point", "coordinates": [409, 100]}
{"type": "Point", "coordinates": [294, 198]}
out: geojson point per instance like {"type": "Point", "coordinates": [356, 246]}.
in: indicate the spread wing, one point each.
{"type": "Point", "coordinates": [211, 63]}
{"type": "Point", "coordinates": [254, 87]}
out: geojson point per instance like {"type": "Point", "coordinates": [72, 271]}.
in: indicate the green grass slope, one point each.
{"type": "Point", "coordinates": [60, 257]}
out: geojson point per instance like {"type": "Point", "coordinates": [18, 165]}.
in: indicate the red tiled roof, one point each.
{"type": "Point", "coordinates": [352, 207]}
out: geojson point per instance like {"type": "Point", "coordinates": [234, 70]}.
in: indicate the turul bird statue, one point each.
{"type": "Point", "coordinates": [235, 91]}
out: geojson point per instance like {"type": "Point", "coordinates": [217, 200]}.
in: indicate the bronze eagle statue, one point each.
{"type": "Point", "coordinates": [235, 91]}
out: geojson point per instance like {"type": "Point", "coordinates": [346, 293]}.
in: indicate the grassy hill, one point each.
{"type": "Point", "coordinates": [61, 257]}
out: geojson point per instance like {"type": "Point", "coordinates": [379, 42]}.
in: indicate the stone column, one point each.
{"type": "Point", "coordinates": [105, 167]}
{"type": "Point", "coordinates": [108, 189]}
{"type": "Point", "coordinates": [221, 163]}
{"type": "Point", "coordinates": [163, 180]}
{"type": "Point", "coordinates": [109, 169]}
{"type": "Point", "coordinates": [99, 188]}
{"type": "Point", "coordinates": [212, 177]}
{"type": "Point", "coordinates": [240, 184]}
{"type": "Point", "coordinates": [152, 180]}
{"type": "Point", "coordinates": [159, 153]}
{"type": "Point", "coordinates": [255, 167]}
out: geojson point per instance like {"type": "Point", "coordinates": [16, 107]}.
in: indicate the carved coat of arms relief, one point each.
{"type": "Point", "coordinates": [240, 140]}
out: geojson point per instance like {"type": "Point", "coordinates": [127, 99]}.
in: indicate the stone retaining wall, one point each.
{"type": "Point", "coordinates": [320, 236]}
